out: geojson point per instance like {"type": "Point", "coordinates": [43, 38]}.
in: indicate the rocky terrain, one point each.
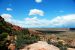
{"type": "Point", "coordinates": [42, 45]}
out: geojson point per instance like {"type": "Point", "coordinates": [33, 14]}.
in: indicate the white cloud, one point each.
{"type": "Point", "coordinates": [36, 22]}
{"type": "Point", "coordinates": [38, 1]}
{"type": "Point", "coordinates": [27, 22]}
{"type": "Point", "coordinates": [7, 17]}
{"type": "Point", "coordinates": [10, 19]}
{"type": "Point", "coordinates": [59, 21]}
{"type": "Point", "coordinates": [65, 21]}
{"type": "Point", "coordinates": [9, 9]}
{"type": "Point", "coordinates": [36, 12]}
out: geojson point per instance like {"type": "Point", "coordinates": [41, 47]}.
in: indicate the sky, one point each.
{"type": "Point", "coordinates": [39, 13]}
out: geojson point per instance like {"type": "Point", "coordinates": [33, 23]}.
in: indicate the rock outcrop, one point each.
{"type": "Point", "coordinates": [41, 45]}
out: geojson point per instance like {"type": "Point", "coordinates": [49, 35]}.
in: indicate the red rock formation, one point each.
{"type": "Point", "coordinates": [17, 28]}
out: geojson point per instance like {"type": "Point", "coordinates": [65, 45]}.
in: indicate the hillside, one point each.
{"type": "Point", "coordinates": [7, 27]}
{"type": "Point", "coordinates": [7, 30]}
{"type": "Point", "coordinates": [25, 36]}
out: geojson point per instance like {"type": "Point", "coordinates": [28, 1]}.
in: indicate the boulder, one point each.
{"type": "Point", "coordinates": [41, 45]}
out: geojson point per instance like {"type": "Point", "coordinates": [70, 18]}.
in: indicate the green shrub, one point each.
{"type": "Point", "coordinates": [4, 35]}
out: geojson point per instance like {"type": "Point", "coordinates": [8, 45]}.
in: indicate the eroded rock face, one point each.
{"type": "Point", "coordinates": [41, 45]}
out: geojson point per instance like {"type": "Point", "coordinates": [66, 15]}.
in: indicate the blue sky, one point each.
{"type": "Point", "coordinates": [39, 13]}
